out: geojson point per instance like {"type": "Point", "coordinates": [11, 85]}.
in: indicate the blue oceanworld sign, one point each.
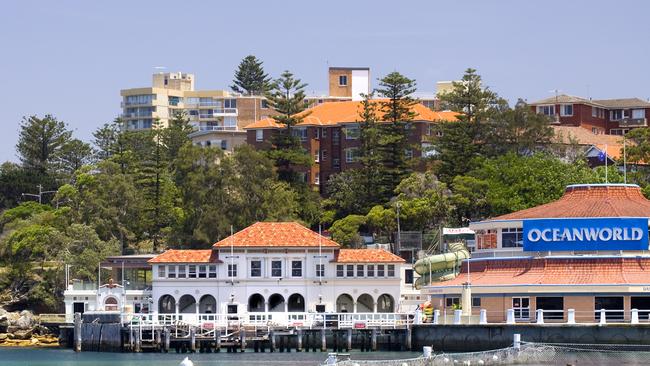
{"type": "Point", "coordinates": [586, 234]}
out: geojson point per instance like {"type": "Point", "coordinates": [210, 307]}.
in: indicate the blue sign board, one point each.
{"type": "Point", "coordinates": [586, 234]}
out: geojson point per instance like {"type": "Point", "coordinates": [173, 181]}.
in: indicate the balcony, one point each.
{"type": "Point", "coordinates": [216, 128]}
{"type": "Point", "coordinates": [633, 122]}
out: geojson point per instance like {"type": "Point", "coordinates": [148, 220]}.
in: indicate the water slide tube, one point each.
{"type": "Point", "coordinates": [440, 267]}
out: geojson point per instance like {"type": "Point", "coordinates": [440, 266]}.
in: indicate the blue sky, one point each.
{"type": "Point", "coordinates": [71, 58]}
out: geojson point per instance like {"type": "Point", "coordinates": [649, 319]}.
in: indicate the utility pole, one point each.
{"type": "Point", "coordinates": [40, 194]}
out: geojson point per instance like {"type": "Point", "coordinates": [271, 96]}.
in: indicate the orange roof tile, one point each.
{"type": "Point", "coordinates": [264, 123]}
{"type": "Point", "coordinates": [554, 271]}
{"type": "Point", "coordinates": [186, 256]}
{"type": "Point", "coordinates": [332, 113]}
{"type": "Point", "coordinates": [276, 234]}
{"type": "Point", "coordinates": [590, 200]}
{"type": "Point", "coordinates": [367, 256]}
{"type": "Point", "coordinates": [584, 136]}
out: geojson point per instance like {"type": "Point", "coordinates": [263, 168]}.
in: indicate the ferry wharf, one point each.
{"type": "Point", "coordinates": [266, 332]}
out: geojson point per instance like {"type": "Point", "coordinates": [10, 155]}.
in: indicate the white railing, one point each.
{"type": "Point", "coordinates": [532, 316]}
{"type": "Point", "coordinates": [274, 319]}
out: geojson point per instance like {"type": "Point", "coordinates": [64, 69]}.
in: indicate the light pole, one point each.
{"type": "Point", "coordinates": [39, 195]}
{"type": "Point", "coordinates": [399, 237]}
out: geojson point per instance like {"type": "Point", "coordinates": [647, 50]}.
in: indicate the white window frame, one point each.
{"type": "Point", "coordinates": [212, 271]}
{"type": "Point", "coordinates": [276, 261]}
{"type": "Point", "coordinates": [361, 270]}
{"type": "Point", "coordinates": [232, 270]}
{"type": "Point", "coordinates": [292, 268]}
{"type": "Point", "coordinates": [182, 271]}
{"type": "Point", "coordinates": [340, 271]}
{"type": "Point", "coordinates": [162, 271]}
{"type": "Point", "coordinates": [351, 154]}
{"type": "Point", "coordinates": [563, 108]}
{"type": "Point", "coordinates": [541, 109]}
{"type": "Point", "coordinates": [349, 270]}
{"type": "Point", "coordinates": [259, 135]}
{"type": "Point", "coordinates": [638, 113]}
{"type": "Point", "coordinates": [191, 271]}
{"type": "Point", "coordinates": [381, 270]}
{"type": "Point", "coordinates": [352, 135]}
{"type": "Point", "coordinates": [260, 268]}
{"type": "Point", "coordinates": [317, 155]}
{"type": "Point", "coordinates": [202, 271]}
{"type": "Point", "coordinates": [171, 271]}
{"type": "Point", "coordinates": [519, 310]}
{"type": "Point", "coordinates": [370, 270]}
{"type": "Point", "coordinates": [320, 270]}
{"type": "Point", "coordinates": [317, 178]}
{"type": "Point", "coordinates": [611, 114]}
{"type": "Point", "coordinates": [390, 270]}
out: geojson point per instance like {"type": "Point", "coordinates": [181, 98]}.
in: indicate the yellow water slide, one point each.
{"type": "Point", "coordinates": [440, 267]}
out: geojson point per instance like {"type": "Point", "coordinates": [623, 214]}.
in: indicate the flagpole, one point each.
{"type": "Point", "coordinates": [606, 164]}
{"type": "Point", "coordinates": [624, 163]}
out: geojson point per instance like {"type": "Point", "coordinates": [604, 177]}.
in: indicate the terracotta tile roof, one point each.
{"type": "Point", "coordinates": [583, 136]}
{"type": "Point", "coordinates": [590, 200]}
{"type": "Point", "coordinates": [276, 234]}
{"type": "Point", "coordinates": [367, 256]}
{"type": "Point", "coordinates": [333, 113]}
{"type": "Point", "coordinates": [186, 256]}
{"type": "Point", "coordinates": [554, 271]}
{"type": "Point", "coordinates": [264, 123]}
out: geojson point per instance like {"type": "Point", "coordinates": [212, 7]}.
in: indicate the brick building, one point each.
{"type": "Point", "coordinates": [330, 133]}
{"type": "Point", "coordinates": [609, 116]}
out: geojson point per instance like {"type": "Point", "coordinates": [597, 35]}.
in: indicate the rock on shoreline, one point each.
{"type": "Point", "coordinates": [22, 329]}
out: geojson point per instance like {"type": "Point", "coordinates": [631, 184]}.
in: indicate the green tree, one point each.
{"type": "Point", "coordinates": [474, 102]}
{"type": "Point", "coordinates": [16, 180]}
{"type": "Point", "coordinates": [287, 98]}
{"type": "Point", "coordinates": [346, 231]}
{"type": "Point", "coordinates": [176, 135]}
{"type": "Point", "coordinates": [105, 139]}
{"type": "Point", "coordinates": [74, 154]}
{"type": "Point", "coordinates": [424, 202]}
{"type": "Point", "coordinates": [381, 220]}
{"type": "Point", "coordinates": [40, 142]}
{"type": "Point", "coordinates": [397, 112]}
{"type": "Point", "coordinates": [250, 78]}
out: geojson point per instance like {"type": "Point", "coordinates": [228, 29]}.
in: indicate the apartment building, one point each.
{"type": "Point", "coordinates": [217, 115]}
{"type": "Point", "coordinates": [608, 116]}
{"type": "Point", "coordinates": [331, 131]}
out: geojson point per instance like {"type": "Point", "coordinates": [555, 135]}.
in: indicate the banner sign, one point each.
{"type": "Point", "coordinates": [457, 231]}
{"type": "Point", "coordinates": [586, 234]}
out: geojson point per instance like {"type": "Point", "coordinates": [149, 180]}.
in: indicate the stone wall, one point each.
{"type": "Point", "coordinates": [457, 338]}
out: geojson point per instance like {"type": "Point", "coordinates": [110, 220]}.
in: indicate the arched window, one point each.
{"type": "Point", "coordinates": [296, 303]}
{"type": "Point", "coordinates": [167, 304]}
{"type": "Point", "coordinates": [385, 304]}
{"type": "Point", "coordinates": [365, 304]}
{"type": "Point", "coordinates": [344, 304]}
{"type": "Point", "coordinates": [276, 303]}
{"type": "Point", "coordinates": [256, 303]}
{"type": "Point", "coordinates": [187, 304]}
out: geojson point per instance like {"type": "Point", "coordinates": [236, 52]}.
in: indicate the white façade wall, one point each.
{"type": "Point", "coordinates": [360, 83]}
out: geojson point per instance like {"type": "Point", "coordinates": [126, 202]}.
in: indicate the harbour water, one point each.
{"type": "Point", "coordinates": [67, 357]}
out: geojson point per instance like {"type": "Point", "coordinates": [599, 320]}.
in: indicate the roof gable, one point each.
{"type": "Point", "coordinates": [276, 234]}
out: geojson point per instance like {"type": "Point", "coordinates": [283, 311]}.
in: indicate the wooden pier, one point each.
{"type": "Point", "coordinates": [215, 333]}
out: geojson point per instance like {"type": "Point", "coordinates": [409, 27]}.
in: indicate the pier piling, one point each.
{"type": "Point", "coordinates": [373, 340]}
{"type": "Point", "coordinates": [299, 340]}
{"type": "Point", "coordinates": [323, 341]}
{"type": "Point", "coordinates": [349, 341]}
{"type": "Point", "coordinates": [77, 332]}
{"type": "Point", "coordinates": [242, 339]}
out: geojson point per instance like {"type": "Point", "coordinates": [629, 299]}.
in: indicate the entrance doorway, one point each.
{"type": "Point", "coordinates": [78, 307]}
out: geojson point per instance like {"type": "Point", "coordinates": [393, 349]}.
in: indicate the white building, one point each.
{"type": "Point", "coordinates": [268, 267]}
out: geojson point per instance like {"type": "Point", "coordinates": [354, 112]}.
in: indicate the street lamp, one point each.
{"type": "Point", "coordinates": [39, 195]}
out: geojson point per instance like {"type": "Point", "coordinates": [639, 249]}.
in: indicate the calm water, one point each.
{"type": "Point", "coordinates": [67, 357]}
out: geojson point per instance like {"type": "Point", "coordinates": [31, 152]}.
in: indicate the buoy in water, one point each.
{"type": "Point", "coordinates": [186, 362]}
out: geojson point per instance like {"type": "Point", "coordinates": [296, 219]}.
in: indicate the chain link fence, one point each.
{"type": "Point", "coordinates": [529, 354]}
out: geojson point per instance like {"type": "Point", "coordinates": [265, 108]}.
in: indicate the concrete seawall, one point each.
{"type": "Point", "coordinates": [491, 336]}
